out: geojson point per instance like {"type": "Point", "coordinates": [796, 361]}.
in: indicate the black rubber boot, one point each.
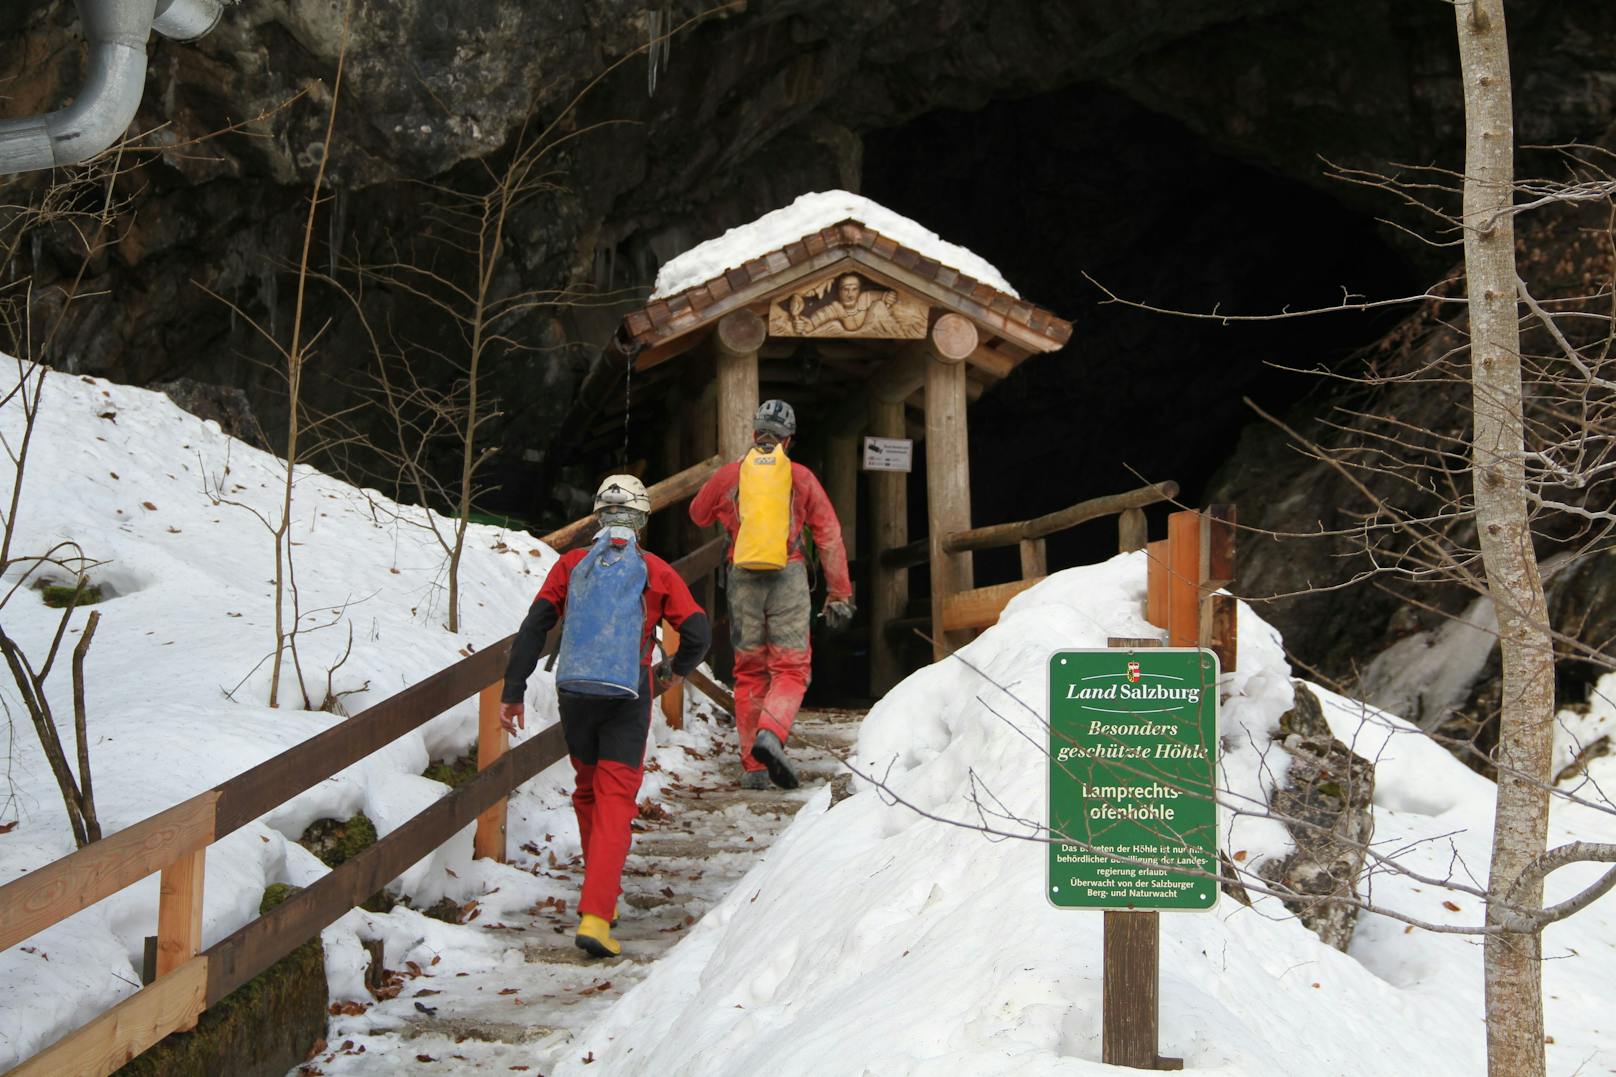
{"type": "Point", "coordinates": [768, 750]}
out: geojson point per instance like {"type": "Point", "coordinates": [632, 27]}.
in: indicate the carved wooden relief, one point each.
{"type": "Point", "coordinates": [847, 304]}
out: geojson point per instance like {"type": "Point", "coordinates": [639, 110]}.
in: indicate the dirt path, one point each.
{"type": "Point", "coordinates": [520, 1015]}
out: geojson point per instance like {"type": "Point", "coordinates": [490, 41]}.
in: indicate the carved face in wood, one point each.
{"type": "Point", "coordinates": [848, 305]}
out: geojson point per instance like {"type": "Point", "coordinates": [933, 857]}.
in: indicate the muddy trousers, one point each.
{"type": "Point", "coordinates": [606, 742]}
{"type": "Point", "coordinates": [768, 613]}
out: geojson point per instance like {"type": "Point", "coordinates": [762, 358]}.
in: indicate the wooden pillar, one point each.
{"type": "Point", "coordinates": [841, 485]}
{"type": "Point", "coordinates": [737, 338]}
{"type": "Point", "coordinates": [889, 529]}
{"type": "Point", "coordinates": [489, 839]}
{"type": "Point", "coordinates": [948, 469]}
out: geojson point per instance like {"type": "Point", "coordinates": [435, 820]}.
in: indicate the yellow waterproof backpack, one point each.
{"type": "Point", "coordinates": [764, 501]}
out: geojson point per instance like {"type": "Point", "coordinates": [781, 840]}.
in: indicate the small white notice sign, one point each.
{"type": "Point", "coordinates": [889, 454]}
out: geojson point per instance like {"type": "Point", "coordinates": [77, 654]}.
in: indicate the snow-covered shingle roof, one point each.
{"type": "Point", "coordinates": [750, 263]}
{"type": "Point", "coordinates": [808, 214]}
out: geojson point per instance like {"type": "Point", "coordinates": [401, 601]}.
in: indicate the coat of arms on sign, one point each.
{"type": "Point", "coordinates": [847, 304]}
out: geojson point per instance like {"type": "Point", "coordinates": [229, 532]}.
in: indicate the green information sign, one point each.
{"type": "Point", "coordinates": [1133, 738]}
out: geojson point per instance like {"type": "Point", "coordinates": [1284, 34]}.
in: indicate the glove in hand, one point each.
{"type": "Point", "coordinates": [838, 615]}
{"type": "Point", "coordinates": [662, 676]}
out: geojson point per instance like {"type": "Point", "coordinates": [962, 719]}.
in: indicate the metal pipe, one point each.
{"type": "Point", "coordinates": [187, 20]}
{"type": "Point", "coordinates": [116, 32]}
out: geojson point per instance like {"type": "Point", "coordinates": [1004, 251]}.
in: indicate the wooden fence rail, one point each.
{"type": "Point", "coordinates": [174, 842]}
{"type": "Point", "coordinates": [979, 607]}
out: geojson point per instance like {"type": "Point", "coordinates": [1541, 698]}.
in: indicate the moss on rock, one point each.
{"type": "Point", "coordinates": [337, 841]}
{"type": "Point", "coordinates": [60, 596]}
{"type": "Point", "coordinates": [454, 772]}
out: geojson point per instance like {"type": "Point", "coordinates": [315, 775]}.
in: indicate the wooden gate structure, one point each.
{"type": "Point", "coordinates": [856, 331]}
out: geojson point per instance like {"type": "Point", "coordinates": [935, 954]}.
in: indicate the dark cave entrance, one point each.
{"type": "Point", "coordinates": [1084, 181]}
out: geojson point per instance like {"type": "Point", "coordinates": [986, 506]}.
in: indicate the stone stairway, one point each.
{"type": "Point", "coordinates": [524, 1012]}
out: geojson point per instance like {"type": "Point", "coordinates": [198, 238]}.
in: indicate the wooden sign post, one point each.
{"type": "Point", "coordinates": [1133, 752]}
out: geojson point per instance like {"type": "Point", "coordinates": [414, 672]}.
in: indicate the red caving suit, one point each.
{"type": "Point", "coordinates": [769, 609]}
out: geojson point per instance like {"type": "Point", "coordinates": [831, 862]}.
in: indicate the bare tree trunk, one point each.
{"type": "Point", "coordinates": [81, 735]}
{"type": "Point", "coordinates": [31, 686]}
{"type": "Point", "coordinates": [1514, 975]}
{"type": "Point", "coordinates": [296, 355]}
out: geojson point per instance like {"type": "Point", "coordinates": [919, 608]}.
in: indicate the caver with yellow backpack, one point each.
{"type": "Point", "coordinates": [764, 500]}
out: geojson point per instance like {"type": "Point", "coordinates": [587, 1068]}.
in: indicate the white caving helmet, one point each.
{"type": "Point", "coordinates": [622, 491]}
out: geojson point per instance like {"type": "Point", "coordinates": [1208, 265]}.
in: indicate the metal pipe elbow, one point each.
{"type": "Point", "coordinates": [116, 31]}
{"type": "Point", "coordinates": [187, 20]}
{"type": "Point", "coordinates": [104, 108]}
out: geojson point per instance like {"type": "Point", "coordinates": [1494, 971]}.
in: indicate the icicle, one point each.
{"type": "Point", "coordinates": [338, 222]}
{"type": "Point", "coordinates": [268, 297]}
{"type": "Point", "coordinates": [653, 50]}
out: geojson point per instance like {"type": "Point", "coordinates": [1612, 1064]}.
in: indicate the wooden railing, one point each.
{"type": "Point", "coordinates": [174, 843]}
{"type": "Point", "coordinates": [981, 606]}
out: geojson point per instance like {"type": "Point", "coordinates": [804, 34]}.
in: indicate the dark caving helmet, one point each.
{"type": "Point", "coordinates": [775, 417]}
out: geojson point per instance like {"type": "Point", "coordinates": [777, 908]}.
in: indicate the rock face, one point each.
{"type": "Point", "coordinates": [1382, 604]}
{"type": "Point", "coordinates": [754, 104]}
{"type": "Point", "coordinates": [1325, 804]}
{"type": "Point", "coordinates": [1173, 151]}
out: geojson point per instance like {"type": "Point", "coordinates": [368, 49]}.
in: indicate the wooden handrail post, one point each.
{"type": "Point", "coordinates": [1219, 613]}
{"type": "Point", "coordinates": [489, 840]}
{"type": "Point", "coordinates": [1034, 559]}
{"type": "Point", "coordinates": [179, 915]}
{"type": "Point", "coordinates": [1184, 579]}
{"type": "Point", "coordinates": [1158, 570]}
{"type": "Point", "coordinates": [1132, 533]}
{"type": "Point", "coordinates": [673, 700]}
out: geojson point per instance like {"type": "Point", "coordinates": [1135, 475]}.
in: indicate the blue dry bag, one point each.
{"type": "Point", "coordinates": [605, 622]}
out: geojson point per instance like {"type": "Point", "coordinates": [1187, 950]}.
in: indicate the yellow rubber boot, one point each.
{"type": "Point", "coordinates": [594, 937]}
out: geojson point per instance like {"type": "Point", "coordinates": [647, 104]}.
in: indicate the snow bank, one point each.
{"type": "Point", "coordinates": [810, 213]}
{"type": "Point", "coordinates": [874, 940]}
{"type": "Point", "coordinates": [177, 683]}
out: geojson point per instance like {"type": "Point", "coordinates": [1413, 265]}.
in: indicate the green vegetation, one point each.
{"type": "Point", "coordinates": [456, 772]}
{"type": "Point", "coordinates": [337, 841]}
{"type": "Point", "coordinates": [60, 596]}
